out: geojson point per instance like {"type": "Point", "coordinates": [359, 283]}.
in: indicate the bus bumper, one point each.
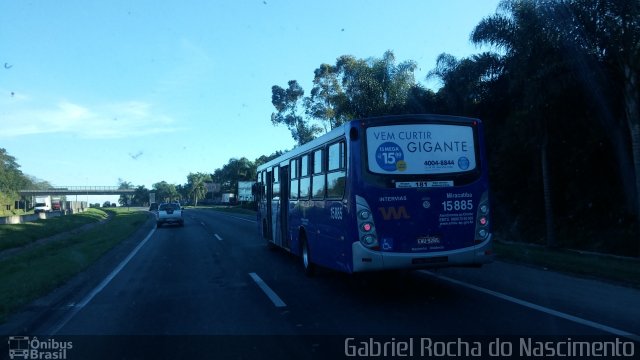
{"type": "Point", "coordinates": [365, 259]}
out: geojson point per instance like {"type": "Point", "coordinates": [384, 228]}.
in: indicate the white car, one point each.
{"type": "Point", "coordinates": [169, 213]}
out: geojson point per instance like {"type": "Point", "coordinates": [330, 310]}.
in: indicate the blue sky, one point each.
{"type": "Point", "coordinates": [145, 91]}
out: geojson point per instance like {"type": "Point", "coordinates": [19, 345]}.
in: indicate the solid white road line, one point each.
{"type": "Point", "coordinates": [267, 290]}
{"type": "Point", "coordinates": [543, 309]}
{"type": "Point", "coordinates": [101, 286]}
{"type": "Point", "coordinates": [239, 218]}
{"type": "Point", "coordinates": [218, 237]}
{"type": "Point", "coordinates": [247, 220]}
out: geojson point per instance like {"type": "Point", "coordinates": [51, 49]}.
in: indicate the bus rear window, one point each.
{"type": "Point", "coordinates": [420, 149]}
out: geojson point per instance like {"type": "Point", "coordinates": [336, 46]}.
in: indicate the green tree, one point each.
{"type": "Point", "coordinates": [141, 196]}
{"type": "Point", "coordinates": [374, 86]}
{"type": "Point", "coordinates": [605, 36]}
{"type": "Point", "coordinates": [165, 192]}
{"type": "Point", "coordinates": [567, 74]}
{"type": "Point", "coordinates": [11, 179]}
{"type": "Point", "coordinates": [263, 159]}
{"type": "Point", "coordinates": [37, 184]}
{"type": "Point", "coordinates": [183, 191]}
{"type": "Point", "coordinates": [8, 162]}
{"type": "Point", "coordinates": [124, 200]}
{"type": "Point", "coordinates": [196, 186]}
{"type": "Point", "coordinates": [537, 72]}
{"type": "Point", "coordinates": [327, 97]}
{"type": "Point", "coordinates": [287, 103]}
{"type": "Point", "coordinates": [235, 170]}
{"type": "Point", "coordinates": [467, 83]}
{"type": "Point", "coordinates": [352, 88]}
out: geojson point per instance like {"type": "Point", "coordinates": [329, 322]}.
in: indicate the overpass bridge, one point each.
{"type": "Point", "coordinates": [78, 190]}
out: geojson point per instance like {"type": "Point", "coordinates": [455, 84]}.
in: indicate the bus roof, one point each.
{"type": "Point", "coordinates": [341, 130]}
{"type": "Point", "coordinates": [331, 135]}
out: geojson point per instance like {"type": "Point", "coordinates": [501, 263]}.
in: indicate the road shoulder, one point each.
{"type": "Point", "coordinates": [609, 304]}
{"type": "Point", "coordinates": [39, 317]}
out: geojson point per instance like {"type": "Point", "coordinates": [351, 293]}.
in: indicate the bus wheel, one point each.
{"type": "Point", "coordinates": [307, 265]}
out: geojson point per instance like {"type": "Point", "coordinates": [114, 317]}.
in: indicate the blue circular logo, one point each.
{"type": "Point", "coordinates": [387, 156]}
{"type": "Point", "coordinates": [463, 163]}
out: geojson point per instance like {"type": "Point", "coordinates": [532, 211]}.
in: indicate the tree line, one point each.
{"type": "Point", "coordinates": [195, 189]}
{"type": "Point", "coordinates": [559, 95]}
{"type": "Point", "coordinates": [13, 179]}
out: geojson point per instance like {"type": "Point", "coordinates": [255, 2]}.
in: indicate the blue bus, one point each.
{"type": "Point", "coordinates": [392, 192]}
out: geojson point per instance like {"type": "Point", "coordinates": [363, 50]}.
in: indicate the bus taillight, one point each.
{"type": "Point", "coordinates": [482, 222]}
{"type": "Point", "coordinates": [366, 227]}
{"type": "Point", "coordinates": [369, 240]}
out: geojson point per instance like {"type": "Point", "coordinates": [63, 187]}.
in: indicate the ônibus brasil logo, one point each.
{"type": "Point", "coordinates": [25, 347]}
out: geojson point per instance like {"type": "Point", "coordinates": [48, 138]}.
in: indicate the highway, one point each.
{"type": "Point", "coordinates": [214, 276]}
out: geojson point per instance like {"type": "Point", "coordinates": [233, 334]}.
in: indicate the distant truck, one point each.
{"type": "Point", "coordinates": [43, 204]}
{"type": "Point", "coordinates": [56, 204]}
{"type": "Point", "coordinates": [228, 198]}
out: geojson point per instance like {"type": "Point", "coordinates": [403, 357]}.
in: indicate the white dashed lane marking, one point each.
{"type": "Point", "coordinates": [267, 290]}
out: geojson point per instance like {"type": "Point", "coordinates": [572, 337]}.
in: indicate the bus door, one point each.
{"type": "Point", "coordinates": [274, 206]}
{"type": "Point", "coordinates": [269, 196]}
{"type": "Point", "coordinates": [284, 207]}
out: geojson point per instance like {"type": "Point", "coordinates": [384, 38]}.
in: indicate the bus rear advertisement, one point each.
{"type": "Point", "coordinates": [393, 192]}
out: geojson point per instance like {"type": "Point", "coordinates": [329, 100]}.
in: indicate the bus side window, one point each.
{"type": "Point", "coordinates": [304, 177]}
{"type": "Point", "coordinates": [336, 175]}
{"type": "Point", "coordinates": [293, 186]}
{"type": "Point", "coordinates": [318, 186]}
{"type": "Point", "coordinates": [276, 182]}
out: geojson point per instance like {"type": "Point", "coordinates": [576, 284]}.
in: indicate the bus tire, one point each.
{"type": "Point", "coordinates": [308, 267]}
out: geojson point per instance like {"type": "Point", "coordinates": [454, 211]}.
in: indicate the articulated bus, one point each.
{"type": "Point", "coordinates": [393, 192]}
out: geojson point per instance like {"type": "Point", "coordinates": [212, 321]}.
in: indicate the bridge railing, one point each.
{"type": "Point", "coordinates": [70, 190]}
{"type": "Point", "coordinates": [86, 188]}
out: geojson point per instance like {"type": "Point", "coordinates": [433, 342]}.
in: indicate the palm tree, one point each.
{"type": "Point", "coordinates": [532, 64]}
{"type": "Point", "coordinates": [606, 33]}
{"type": "Point", "coordinates": [196, 185]}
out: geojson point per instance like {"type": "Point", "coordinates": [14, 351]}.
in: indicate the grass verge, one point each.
{"type": "Point", "coordinates": [39, 270]}
{"type": "Point", "coordinates": [16, 235]}
{"type": "Point", "coordinates": [604, 267]}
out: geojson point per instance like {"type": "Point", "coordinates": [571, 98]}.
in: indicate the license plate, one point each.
{"type": "Point", "coordinates": [428, 240]}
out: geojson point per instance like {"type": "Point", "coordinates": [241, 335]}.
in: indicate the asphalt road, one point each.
{"type": "Point", "coordinates": [215, 277]}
